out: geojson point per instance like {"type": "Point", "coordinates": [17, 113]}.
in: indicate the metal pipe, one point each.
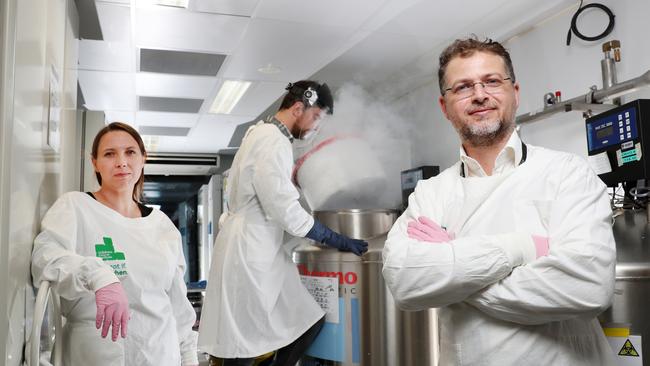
{"type": "Point", "coordinates": [37, 322]}
{"type": "Point", "coordinates": [596, 96]}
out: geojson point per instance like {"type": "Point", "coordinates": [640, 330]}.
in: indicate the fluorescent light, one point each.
{"type": "Point", "coordinates": [229, 95]}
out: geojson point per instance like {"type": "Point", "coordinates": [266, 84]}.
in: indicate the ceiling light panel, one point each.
{"type": "Point", "coordinates": [108, 90]}
{"type": "Point", "coordinates": [340, 13]}
{"type": "Point", "coordinates": [174, 86]}
{"type": "Point", "coordinates": [318, 46]}
{"type": "Point", "coordinates": [229, 94]}
{"type": "Point", "coordinates": [107, 56]}
{"type": "Point", "coordinates": [201, 32]}
{"type": "Point", "coordinates": [179, 105]}
{"type": "Point", "coordinates": [115, 20]}
{"type": "Point", "coordinates": [178, 62]}
{"type": "Point", "coordinates": [232, 7]}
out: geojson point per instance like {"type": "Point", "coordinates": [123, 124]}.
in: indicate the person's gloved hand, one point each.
{"type": "Point", "coordinates": [323, 234]}
{"type": "Point", "coordinates": [425, 229]}
{"type": "Point", "coordinates": [112, 307]}
{"type": "Point", "coordinates": [541, 245]}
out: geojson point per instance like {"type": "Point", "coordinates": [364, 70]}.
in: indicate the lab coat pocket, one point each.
{"type": "Point", "coordinates": [533, 216]}
{"type": "Point", "coordinates": [262, 244]}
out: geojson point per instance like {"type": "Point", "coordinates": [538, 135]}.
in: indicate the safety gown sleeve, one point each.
{"type": "Point", "coordinates": [55, 258]}
{"type": "Point", "coordinates": [277, 194]}
{"type": "Point", "coordinates": [183, 311]}
{"type": "Point", "coordinates": [423, 275]}
{"type": "Point", "coordinates": [576, 278]}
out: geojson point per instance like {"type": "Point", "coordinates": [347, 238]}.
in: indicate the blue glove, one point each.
{"type": "Point", "coordinates": [323, 234]}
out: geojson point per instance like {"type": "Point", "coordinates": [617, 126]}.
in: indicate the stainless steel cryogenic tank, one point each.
{"type": "Point", "coordinates": [367, 327]}
{"type": "Point", "coordinates": [632, 291]}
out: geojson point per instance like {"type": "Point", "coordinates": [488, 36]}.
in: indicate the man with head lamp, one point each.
{"type": "Point", "coordinates": [255, 301]}
{"type": "Point", "coordinates": [513, 243]}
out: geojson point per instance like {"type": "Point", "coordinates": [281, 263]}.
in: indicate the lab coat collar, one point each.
{"type": "Point", "coordinates": [285, 131]}
{"type": "Point", "coordinates": [508, 158]}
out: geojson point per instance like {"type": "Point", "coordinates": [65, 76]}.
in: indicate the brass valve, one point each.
{"type": "Point", "coordinates": [613, 45]}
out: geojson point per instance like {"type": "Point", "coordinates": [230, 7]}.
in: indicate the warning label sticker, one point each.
{"type": "Point", "coordinates": [628, 349]}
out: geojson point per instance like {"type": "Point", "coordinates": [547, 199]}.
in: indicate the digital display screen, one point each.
{"type": "Point", "coordinates": [604, 132]}
{"type": "Point", "coordinates": [611, 129]}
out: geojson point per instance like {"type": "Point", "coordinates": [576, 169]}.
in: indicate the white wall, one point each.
{"type": "Point", "coordinates": [37, 36]}
{"type": "Point", "coordinates": [542, 63]}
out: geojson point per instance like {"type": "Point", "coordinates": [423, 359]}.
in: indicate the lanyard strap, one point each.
{"type": "Point", "coordinates": [524, 153]}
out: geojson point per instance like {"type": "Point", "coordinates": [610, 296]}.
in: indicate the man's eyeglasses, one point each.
{"type": "Point", "coordinates": [465, 89]}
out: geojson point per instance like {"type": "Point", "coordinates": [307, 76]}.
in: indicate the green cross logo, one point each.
{"type": "Point", "coordinates": [107, 252]}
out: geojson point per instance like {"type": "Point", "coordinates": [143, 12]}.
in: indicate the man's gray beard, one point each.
{"type": "Point", "coordinates": [484, 135]}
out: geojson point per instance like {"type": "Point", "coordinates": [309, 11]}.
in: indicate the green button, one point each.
{"type": "Point", "coordinates": [628, 153]}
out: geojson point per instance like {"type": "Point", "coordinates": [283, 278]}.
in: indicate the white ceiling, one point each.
{"type": "Point", "coordinates": [370, 42]}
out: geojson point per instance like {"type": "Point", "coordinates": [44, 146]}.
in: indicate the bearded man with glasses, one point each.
{"type": "Point", "coordinates": [513, 243]}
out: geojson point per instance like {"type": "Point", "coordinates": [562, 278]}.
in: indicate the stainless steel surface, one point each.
{"type": "Point", "coordinates": [596, 96]}
{"type": "Point", "coordinates": [608, 69]}
{"type": "Point", "coordinates": [388, 336]}
{"type": "Point", "coordinates": [632, 293]}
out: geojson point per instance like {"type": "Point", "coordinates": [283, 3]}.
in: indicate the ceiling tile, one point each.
{"type": "Point", "coordinates": [267, 41]}
{"type": "Point", "coordinates": [377, 56]}
{"type": "Point", "coordinates": [200, 32]}
{"type": "Point", "coordinates": [259, 96]}
{"type": "Point", "coordinates": [339, 13]}
{"type": "Point", "coordinates": [174, 86]}
{"type": "Point", "coordinates": [107, 56]}
{"type": "Point", "coordinates": [232, 7]}
{"type": "Point", "coordinates": [210, 135]}
{"type": "Point", "coordinates": [115, 21]}
{"type": "Point", "coordinates": [425, 19]}
{"type": "Point", "coordinates": [124, 2]}
{"type": "Point", "coordinates": [104, 90]}
{"type": "Point", "coordinates": [166, 119]}
{"type": "Point", "coordinates": [120, 116]}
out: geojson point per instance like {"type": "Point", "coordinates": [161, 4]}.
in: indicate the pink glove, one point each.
{"type": "Point", "coordinates": [112, 307]}
{"type": "Point", "coordinates": [425, 229]}
{"type": "Point", "coordinates": [541, 245]}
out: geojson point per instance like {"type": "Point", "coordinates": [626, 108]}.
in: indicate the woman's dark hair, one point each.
{"type": "Point", "coordinates": [119, 126]}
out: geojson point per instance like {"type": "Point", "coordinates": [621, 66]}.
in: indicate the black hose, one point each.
{"type": "Point", "coordinates": [574, 21]}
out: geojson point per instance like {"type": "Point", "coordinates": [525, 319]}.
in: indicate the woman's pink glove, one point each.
{"type": "Point", "coordinates": [541, 245]}
{"type": "Point", "coordinates": [425, 229]}
{"type": "Point", "coordinates": [112, 307]}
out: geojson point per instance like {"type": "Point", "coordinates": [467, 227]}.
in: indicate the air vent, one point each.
{"type": "Point", "coordinates": [181, 164]}
{"type": "Point", "coordinates": [178, 105]}
{"type": "Point", "coordinates": [163, 131]}
{"type": "Point", "coordinates": [178, 62]}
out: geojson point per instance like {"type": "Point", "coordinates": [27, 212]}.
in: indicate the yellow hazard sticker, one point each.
{"type": "Point", "coordinates": [628, 349]}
